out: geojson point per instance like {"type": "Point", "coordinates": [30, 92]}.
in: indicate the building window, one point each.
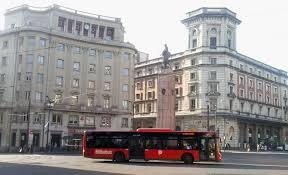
{"type": "Point", "coordinates": [92, 68]}
{"type": "Point", "coordinates": [1, 117]}
{"type": "Point", "coordinates": [275, 90]}
{"type": "Point", "coordinates": [213, 87]}
{"type": "Point", "coordinates": [61, 23]}
{"type": "Point", "coordinates": [5, 44]}
{"type": "Point", "coordinates": [193, 76]}
{"type": "Point", "coordinates": [251, 108]}
{"type": "Point", "coordinates": [242, 107]}
{"type": "Point", "coordinates": [76, 66]}
{"type": "Point", "coordinates": [40, 77]}
{"type": "Point", "coordinates": [60, 64]}
{"type": "Point", "coordinates": [108, 55]}
{"type": "Point", "coordinates": [276, 112]}
{"type": "Point", "coordinates": [28, 76]}
{"type": "Point", "coordinates": [250, 83]}
{"type": "Point", "coordinates": [192, 104]}
{"type": "Point", "coordinates": [91, 84]}
{"type": "Point", "coordinates": [101, 31]}
{"type": "Point", "coordinates": [268, 88]}
{"type": "Point", "coordinates": [1, 95]}
{"type": "Point", "coordinates": [251, 95]}
{"type": "Point", "coordinates": [276, 101]}
{"type": "Point", "coordinates": [74, 99]}
{"type": "Point", "coordinates": [260, 85]}
{"type": "Point", "coordinates": [194, 43]}
{"type": "Point", "coordinates": [75, 83]}
{"type": "Point", "coordinates": [89, 120]}
{"type": "Point", "coordinates": [213, 61]}
{"type": "Point", "coordinates": [259, 73]}
{"type": "Point", "coordinates": [176, 66]}
{"type": "Point", "coordinates": [124, 123]}
{"type": "Point", "coordinates": [29, 59]}
{"type": "Point", "coordinates": [229, 43]}
{"type": "Point", "coordinates": [125, 104]}
{"type": "Point", "coordinates": [231, 77]}
{"type": "Point", "coordinates": [231, 89]}
{"type": "Point", "coordinates": [4, 61]}
{"type": "Point", "coordinates": [110, 33]}
{"type": "Point", "coordinates": [268, 111]}
{"type": "Point", "coordinates": [150, 71]}
{"type": "Point", "coordinates": [39, 96]}
{"type": "Point", "coordinates": [267, 99]}
{"type": "Point", "coordinates": [213, 75]}
{"type": "Point", "coordinates": [43, 42]}
{"type": "Point", "coordinates": [70, 25]}
{"type": "Point", "coordinates": [151, 83]}
{"type": "Point", "coordinates": [139, 86]}
{"type": "Point", "coordinates": [193, 89]}
{"type": "Point", "coordinates": [230, 62]}
{"type": "Point", "coordinates": [78, 27]}
{"type": "Point", "coordinates": [92, 52]}
{"type": "Point", "coordinates": [106, 102]}
{"type": "Point", "coordinates": [241, 92]}
{"type": "Point", "coordinates": [213, 43]}
{"type": "Point", "coordinates": [260, 110]}
{"type": "Point", "coordinates": [193, 61]}
{"type": "Point", "coordinates": [259, 97]}
{"type": "Point", "coordinates": [73, 120]}
{"type": "Point", "coordinates": [57, 119]}
{"type": "Point", "coordinates": [40, 60]}
{"type": "Point", "coordinates": [125, 57]}
{"type": "Point", "coordinates": [76, 50]}
{"type": "Point", "coordinates": [90, 101]}
{"type": "Point", "coordinates": [60, 47]}
{"type": "Point", "coordinates": [20, 59]}
{"type": "Point", "coordinates": [178, 79]}
{"type": "Point", "coordinates": [107, 86]}
{"type": "Point", "coordinates": [241, 80]}
{"type": "Point", "coordinates": [176, 105]}
{"type": "Point", "coordinates": [251, 70]}
{"type": "Point", "coordinates": [241, 66]}
{"type": "Point", "coordinates": [86, 29]}
{"type": "Point", "coordinates": [149, 107]}
{"type": "Point", "coordinates": [19, 76]}
{"type": "Point", "coordinates": [105, 122]}
{"type": "Point", "coordinates": [231, 105]}
{"type": "Point", "coordinates": [2, 77]}
{"type": "Point", "coordinates": [59, 81]}
{"type": "Point", "coordinates": [107, 70]}
{"type": "Point", "coordinates": [27, 95]}
{"type": "Point", "coordinates": [31, 41]}
{"type": "Point", "coordinates": [267, 76]}
{"type": "Point", "coordinates": [125, 72]}
{"type": "Point", "coordinates": [58, 98]}
{"type": "Point", "coordinates": [125, 88]}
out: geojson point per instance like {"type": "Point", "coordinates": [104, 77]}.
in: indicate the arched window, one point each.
{"type": "Point", "coordinates": [194, 33]}
{"type": "Point", "coordinates": [194, 38]}
{"type": "Point", "coordinates": [229, 37]}
{"type": "Point", "coordinates": [231, 133]}
{"type": "Point", "coordinates": [213, 38]}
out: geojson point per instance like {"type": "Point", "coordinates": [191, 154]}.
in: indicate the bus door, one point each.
{"type": "Point", "coordinates": [136, 147]}
{"type": "Point", "coordinates": [207, 149]}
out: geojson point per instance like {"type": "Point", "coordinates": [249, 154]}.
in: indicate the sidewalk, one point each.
{"type": "Point", "coordinates": [255, 152]}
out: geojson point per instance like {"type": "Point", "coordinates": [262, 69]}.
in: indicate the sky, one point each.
{"type": "Point", "coordinates": [149, 24]}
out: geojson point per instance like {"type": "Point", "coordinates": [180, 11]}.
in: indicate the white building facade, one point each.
{"type": "Point", "coordinates": [246, 100]}
{"type": "Point", "coordinates": [77, 60]}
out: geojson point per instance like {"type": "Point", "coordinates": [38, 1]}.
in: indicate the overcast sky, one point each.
{"type": "Point", "coordinates": [149, 24]}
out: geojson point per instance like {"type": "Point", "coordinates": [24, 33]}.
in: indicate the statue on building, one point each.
{"type": "Point", "coordinates": [166, 55]}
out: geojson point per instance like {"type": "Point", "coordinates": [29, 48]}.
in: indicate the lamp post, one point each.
{"type": "Point", "coordinates": [50, 104]}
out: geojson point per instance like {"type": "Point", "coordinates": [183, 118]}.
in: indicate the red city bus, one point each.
{"type": "Point", "coordinates": [151, 144]}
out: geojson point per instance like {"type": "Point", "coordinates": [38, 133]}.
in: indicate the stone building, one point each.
{"type": "Point", "coordinates": [76, 62]}
{"type": "Point", "coordinates": [245, 99]}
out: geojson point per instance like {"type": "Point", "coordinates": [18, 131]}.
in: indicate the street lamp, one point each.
{"type": "Point", "coordinates": [50, 105]}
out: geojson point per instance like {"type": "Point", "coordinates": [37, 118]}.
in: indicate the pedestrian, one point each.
{"type": "Point", "coordinates": [248, 147]}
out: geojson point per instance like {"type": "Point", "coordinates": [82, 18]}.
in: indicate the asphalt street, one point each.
{"type": "Point", "coordinates": [234, 163]}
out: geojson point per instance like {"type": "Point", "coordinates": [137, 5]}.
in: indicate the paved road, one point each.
{"type": "Point", "coordinates": [233, 163]}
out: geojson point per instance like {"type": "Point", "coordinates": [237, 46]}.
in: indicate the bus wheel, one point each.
{"type": "Point", "coordinates": [188, 158]}
{"type": "Point", "coordinates": [119, 157]}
